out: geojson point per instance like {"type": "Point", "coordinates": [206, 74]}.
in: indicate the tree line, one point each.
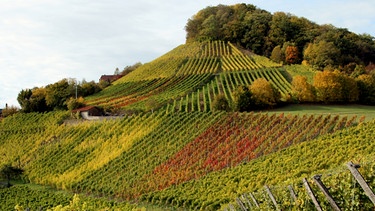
{"type": "Point", "coordinates": [282, 36]}
{"type": "Point", "coordinates": [328, 87]}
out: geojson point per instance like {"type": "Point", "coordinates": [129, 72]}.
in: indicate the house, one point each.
{"type": "Point", "coordinates": [88, 111]}
{"type": "Point", "coordinates": [110, 78]}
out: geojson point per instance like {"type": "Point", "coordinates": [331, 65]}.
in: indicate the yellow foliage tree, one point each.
{"type": "Point", "coordinates": [264, 94]}
{"type": "Point", "coordinates": [302, 90]}
{"type": "Point", "coordinates": [332, 87]}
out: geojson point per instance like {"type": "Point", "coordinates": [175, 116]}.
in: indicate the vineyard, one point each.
{"type": "Point", "coordinates": [154, 156]}
{"type": "Point", "coordinates": [176, 151]}
{"type": "Point", "coordinates": [189, 77]}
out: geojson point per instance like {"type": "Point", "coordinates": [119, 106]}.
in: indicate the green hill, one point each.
{"type": "Point", "coordinates": [172, 150]}
{"type": "Point", "coordinates": [189, 77]}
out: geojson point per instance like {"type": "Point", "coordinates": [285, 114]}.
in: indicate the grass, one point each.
{"type": "Point", "coordinates": [345, 110]}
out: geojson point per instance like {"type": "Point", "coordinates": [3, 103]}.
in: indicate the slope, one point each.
{"type": "Point", "coordinates": [188, 78]}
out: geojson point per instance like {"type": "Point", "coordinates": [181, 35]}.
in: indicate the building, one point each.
{"type": "Point", "coordinates": [110, 78]}
{"type": "Point", "coordinates": [88, 111]}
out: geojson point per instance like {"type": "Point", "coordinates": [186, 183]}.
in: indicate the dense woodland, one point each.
{"type": "Point", "coordinates": [282, 36]}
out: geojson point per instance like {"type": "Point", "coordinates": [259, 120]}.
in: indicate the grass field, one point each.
{"type": "Point", "coordinates": [349, 110]}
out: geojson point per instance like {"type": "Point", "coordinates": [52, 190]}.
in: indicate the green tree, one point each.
{"type": "Point", "coordinates": [366, 86]}
{"type": "Point", "coordinates": [277, 55]}
{"type": "Point", "coordinates": [243, 99]}
{"type": "Point", "coordinates": [74, 103]}
{"type": "Point", "coordinates": [321, 55]}
{"type": "Point", "coordinates": [23, 99]}
{"type": "Point", "coordinates": [9, 172]}
{"type": "Point", "coordinates": [58, 93]}
{"type": "Point", "coordinates": [220, 103]}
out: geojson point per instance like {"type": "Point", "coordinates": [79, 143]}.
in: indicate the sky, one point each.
{"type": "Point", "coordinates": [44, 41]}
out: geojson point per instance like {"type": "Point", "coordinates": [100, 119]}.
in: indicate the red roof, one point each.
{"type": "Point", "coordinates": [86, 108]}
{"type": "Point", "coordinates": [110, 78]}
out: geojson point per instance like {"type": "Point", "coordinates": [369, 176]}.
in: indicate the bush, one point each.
{"type": "Point", "coordinates": [220, 103]}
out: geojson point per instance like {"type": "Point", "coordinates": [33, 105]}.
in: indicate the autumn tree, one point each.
{"type": "Point", "coordinates": [302, 90]}
{"type": "Point", "coordinates": [291, 55]}
{"type": "Point", "coordinates": [265, 95]}
{"type": "Point", "coordinates": [333, 87]}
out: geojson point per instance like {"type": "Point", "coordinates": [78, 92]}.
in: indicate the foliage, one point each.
{"type": "Point", "coordinates": [74, 103]}
{"type": "Point", "coordinates": [9, 111]}
{"type": "Point", "coordinates": [9, 172]}
{"type": "Point", "coordinates": [243, 99]}
{"type": "Point", "coordinates": [335, 87]}
{"type": "Point", "coordinates": [261, 32]}
{"type": "Point", "coordinates": [322, 54]}
{"type": "Point", "coordinates": [220, 103]}
{"type": "Point", "coordinates": [265, 95]}
{"type": "Point", "coordinates": [291, 55]}
{"type": "Point", "coordinates": [366, 86]}
{"type": "Point", "coordinates": [33, 197]}
{"type": "Point", "coordinates": [302, 90]}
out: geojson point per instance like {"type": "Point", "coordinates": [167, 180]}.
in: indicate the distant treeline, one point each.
{"type": "Point", "coordinates": [282, 36]}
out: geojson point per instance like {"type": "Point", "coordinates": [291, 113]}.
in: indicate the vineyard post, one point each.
{"type": "Point", "coordinates": [311, 194]}
{"type": "Point", "coordinates": [272, 197]}
{"type": "Point", "coordinates": [324, 189]}
{"type": "Point", "coordinates": [254, 200]}
{"type": "Point", "coordinates": [245, 199]}
{"type": "Point", "coordinates": [357, 175]}
{"type": "Point", "coordinates": [239, 202]}
{"type": "Point", "coordinates": [292, 193]}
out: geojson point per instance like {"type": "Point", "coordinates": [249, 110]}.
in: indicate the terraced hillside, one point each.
{"type": "Point", "coordinates": [136, 157]}
{"type": "Point", "coordinates": [189, 77]}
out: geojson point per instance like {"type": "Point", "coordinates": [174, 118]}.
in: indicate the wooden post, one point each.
{"type": "Point", "coordinates": [272, 197]}
{"type": "Point", "coordinates": [292, 193]}
{"type": "Point", "coordinates": [242, 206]}
{"type": "Point", "coordinates": [311, 194]}
{"type": "Point", "coordinates": [245, 199]}
{"type": "Point", "coordinates": [254, 200]}
{"type": "Point", "coordinates": [361, 181]}
{"type": "Point", "coordinates": [324, 189]}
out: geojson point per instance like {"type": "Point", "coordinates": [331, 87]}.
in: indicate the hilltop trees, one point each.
{"type": "Point", "coordinates": [267, 34]}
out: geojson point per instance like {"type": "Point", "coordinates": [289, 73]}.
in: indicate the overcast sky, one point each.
{"type": "Point", "coordinates": [44, 41]}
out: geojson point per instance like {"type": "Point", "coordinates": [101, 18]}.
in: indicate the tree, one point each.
{"type": "Point", "coordinates": [243, 99]}
{"type": "Point", "coordinates": [220, 103]}
{"type": "Point", "coordinates": [302, 90]}
{"type": "Point", "coordinates": [265, 95]}
{"type": "Point", "coordinates": [9, 172]}
{"type": "Point", "coordinates": [277, 55]}
{"type": "Point", "coordinates": [334, 87]}
{"type": "Point", "coordinates": [321, 55]}
{"type": "Point", "coordinates": [58, 93]}
{"type": "Point", "coordinates": [74, 103]}
{"type": "Point", "coordinates": [9, 111]}
{"type": "Point", "coordinates": [366, 86]}
{"type": "Point", "coordinates": [23, 99]}
{"type": "Point", "coordinates": [291, 55]}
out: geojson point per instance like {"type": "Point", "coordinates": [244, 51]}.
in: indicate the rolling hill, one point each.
{"type": "Point", "coordinates": [176, 152]}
